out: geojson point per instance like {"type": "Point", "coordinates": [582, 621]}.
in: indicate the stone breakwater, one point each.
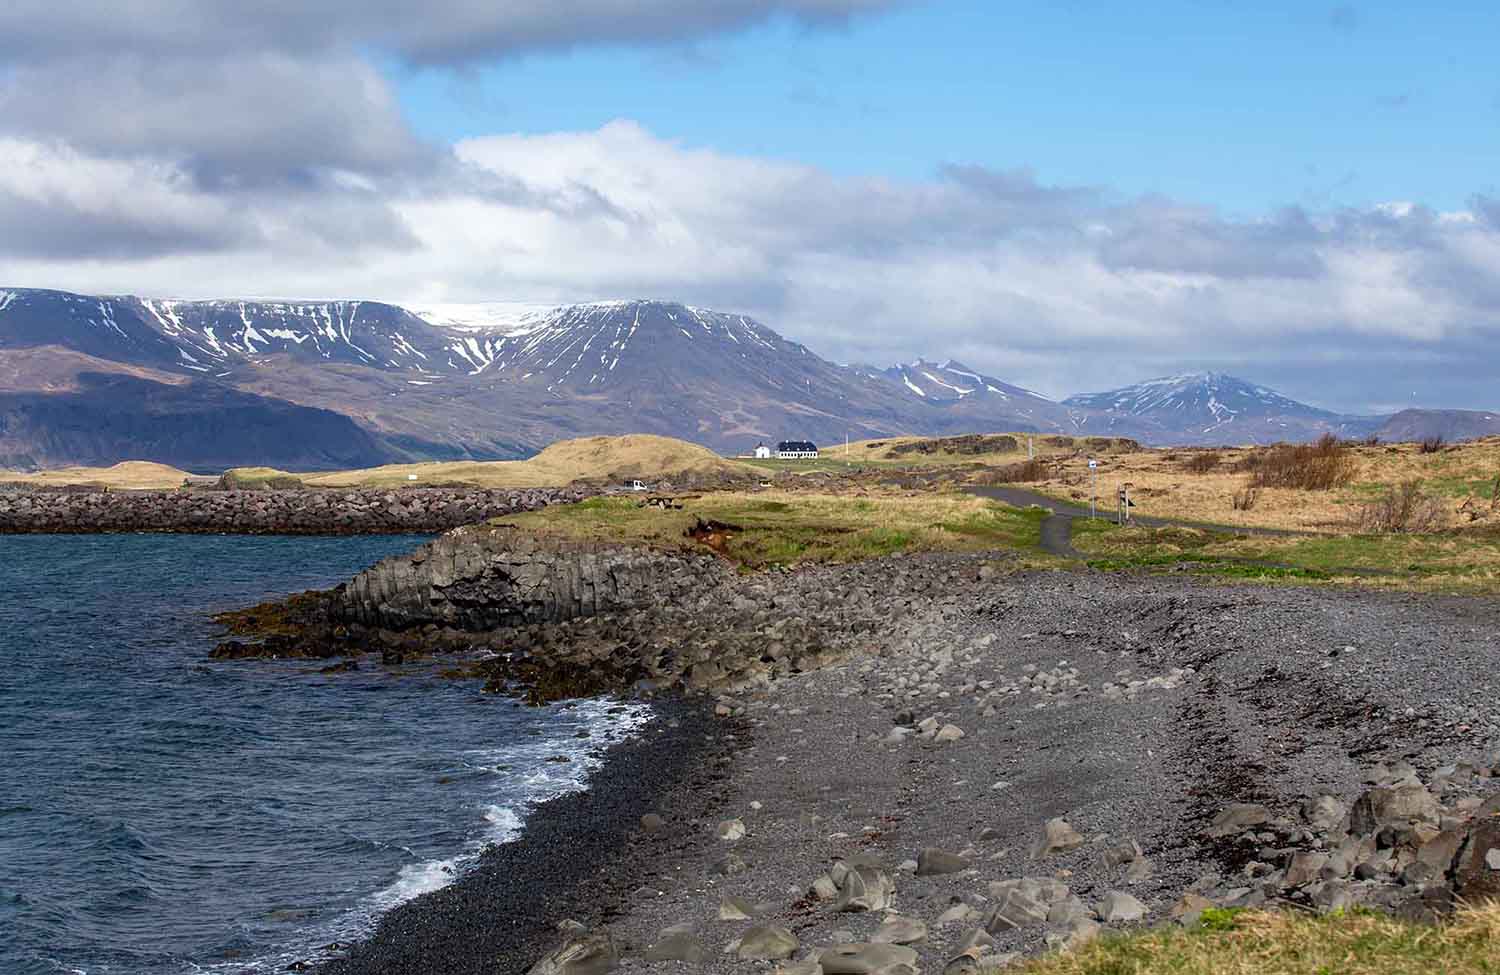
{"type": "Point", "coordinates": [299, 512]}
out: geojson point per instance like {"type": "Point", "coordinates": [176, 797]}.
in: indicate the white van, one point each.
{"type": "Point", "coordinates": [637, 486]}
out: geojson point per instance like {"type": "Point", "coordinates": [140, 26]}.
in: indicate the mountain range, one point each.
{"type": "Point", "coordinates": [88, 379]}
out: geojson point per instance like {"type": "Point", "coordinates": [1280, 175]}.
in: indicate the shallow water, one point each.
{"type": "Point", "coordinates": [161, 812]}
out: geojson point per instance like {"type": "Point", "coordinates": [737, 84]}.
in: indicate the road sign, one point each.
{"type": "Point", "coordinates": [1093, 464]}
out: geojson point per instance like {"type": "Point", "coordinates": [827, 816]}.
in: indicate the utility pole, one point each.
{"type": "Point", "coordinates": [1093, 489]}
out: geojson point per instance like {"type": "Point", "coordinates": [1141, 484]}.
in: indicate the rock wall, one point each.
{"type": "Point", "coordinates": [301, 512]}
{"type": "Point", "coordinates": [480, 578]}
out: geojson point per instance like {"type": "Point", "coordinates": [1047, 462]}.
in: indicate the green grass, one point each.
{"type": "Point", "coordinates": [780, 528]}
{"type": "Point", "coordinates": [1266, 943]}
{"type": "Point", "coordinates": [1456, 561]}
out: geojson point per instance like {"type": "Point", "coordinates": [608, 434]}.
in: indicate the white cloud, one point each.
{"type": "Point", "coordinates": [1026, 280]}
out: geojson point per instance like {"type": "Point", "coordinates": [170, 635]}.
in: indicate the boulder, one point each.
{"type": "Point", "coordinates": [1237, 819]}
{"type": "Point", "coordinates": [1398, 806]}
{"type": "Point", "coordinates": [931, 862]}
{"type": "Point", "coordinates": [1015, 910]}
{"type": "Point", "coordinates": [1476, 874]}
{"type": "Point", "coordinates": [869, 959]}
{"type": "Point", "coordinates": [1118, 906]}
{"type": "Point", "coordinates": [731, 830]}
{"type": "Point", "coordinates": [1057, 837]}
{"type": "Point", "coordinates": [898, 930]}
{"type": "Point", "coordinates": [767, 942]}
{"type": "Point", "coordinates": [581, 954]}
{"type": "Point", "coordinates": [865, 887]}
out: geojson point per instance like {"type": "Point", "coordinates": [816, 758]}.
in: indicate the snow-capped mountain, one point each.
{"type": "Point", "coordinates": [503, 379]}
{"type": "Point", "coordinates": [950, 381]}
{"type": "Point", "coordinates": [1206, 407]}
{"type": "Point", "coordinates": [209, 337]}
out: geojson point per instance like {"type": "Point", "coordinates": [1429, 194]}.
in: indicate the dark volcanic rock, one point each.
{"type": "Point", "coordinates": [305, 512]}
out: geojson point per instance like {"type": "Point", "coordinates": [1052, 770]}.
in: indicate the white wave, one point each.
{"type": "Point", "coordinates": [533, 780]}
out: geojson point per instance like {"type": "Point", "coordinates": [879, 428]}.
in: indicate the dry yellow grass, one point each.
{"type": "Point", "coordinates": [1163, 487]}
{"type": "Point", "coordinates": [888, 450]}
{"type": "Point", "coordinates": [1263, 943]}
{"type": "Point", "coordinates": [131, 475]}
{"type": "Point", "coordinates": [588, 458]}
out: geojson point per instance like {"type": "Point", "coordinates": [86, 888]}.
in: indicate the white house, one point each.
{"type": "Point", "coordinates": [762, 452]}
{"type": "Point", "coordinates": [796, 450]}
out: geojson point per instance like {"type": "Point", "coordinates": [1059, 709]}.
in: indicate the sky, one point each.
{"type": "Point", "coordinates": [1069, 195]}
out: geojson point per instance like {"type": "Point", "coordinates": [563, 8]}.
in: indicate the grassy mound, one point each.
{"type": "Point", "coordinates": [130, 475]}
{"type": "Point", "coordinates": [600, 459]}
{"type": "Point", "coordinates": [1260, 943]}
{"type": "Point", "coordinates": [767, 528]}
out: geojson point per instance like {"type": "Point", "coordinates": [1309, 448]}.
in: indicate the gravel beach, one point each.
{"type": "Point", "coordinates": [980, 764]}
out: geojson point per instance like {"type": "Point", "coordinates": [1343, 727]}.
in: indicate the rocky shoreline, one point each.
{"type": "Point", "coordinates": [939, 764]}
{"type": "Point", "coordinates": [252, 512]}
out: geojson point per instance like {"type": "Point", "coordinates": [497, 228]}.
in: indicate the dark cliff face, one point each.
{"type": "Point", "coordinates": [196, 426]}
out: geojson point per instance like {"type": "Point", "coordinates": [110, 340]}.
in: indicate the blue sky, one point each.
{"type": "Point", "coordinates": [1244, 107]}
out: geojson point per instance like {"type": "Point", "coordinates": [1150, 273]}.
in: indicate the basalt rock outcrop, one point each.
{"type": "Point", "coordinates": [549, 619]}
{"type": "Point", "coordinates": [298, 512]}
{"type": "Point", "coordinates": [484, 577]}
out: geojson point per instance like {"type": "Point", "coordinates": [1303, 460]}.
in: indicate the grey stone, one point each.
{"type": "Point", "coordinates": [898, 930]}
{"type": "Point", "coordinates": [1323, 812]}
{"type": "Point", "coordinates": [824, 889]}
{"type": "Point", "coordinates": [1305, 868]}
{"type": "Point", "coordinates": [1014, 911]}
{"type": "Point", "coordinates": [1237, 819]}
{"type": "Point", "coordinates": [651, 822]}
{"type": "Point", "coordinates": [866, 887]}
{"type": "Point", "coordinates": [1118, 906]}
{"type": "Point", "coordinates": [1057, 837]}
{"type": "Point", "coordinates": [767, 942]}
{"type": "Point", "coordinates": [582, 954]}
{"type": "Point", "coordinates": [1118, 854]}
{"type": "Point", "coordinates": [931, 862]}
{"type": "Point", "coordinates": [731, 830]}
{"type": "Point", "coordinates": [1189, 908]}
{"type": "Point", "coordinates": [1402, 805]}
{"type": "Point", "coordinates": [869, 959]}
{"type": "Point", "coordinates": [677, 946]}
{"type": "Point", "coordinates": [1139, 871]}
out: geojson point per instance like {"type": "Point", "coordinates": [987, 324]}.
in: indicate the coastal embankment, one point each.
{"type": "Point", "coordinates": [259, 512]}
{"type": "Point", "coordinates": [942, 761]}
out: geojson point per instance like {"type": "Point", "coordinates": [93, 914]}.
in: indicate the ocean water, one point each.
{"type": "Point", "coordinates": [164, 813]}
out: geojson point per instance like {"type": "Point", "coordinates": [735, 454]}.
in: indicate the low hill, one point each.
{"type": "Point", "coordinates": [130, 475]}
{"type": "Point", "coordinates": [599, 459]}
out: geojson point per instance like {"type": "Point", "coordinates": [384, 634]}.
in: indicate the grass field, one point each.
{"type": "Point", "coordinates": [1263, 943]}
{"type": "Point", "coordinates": [1164, 485]}
{"type": "Point", "coordinates": [765, 528]}
{"type": "Point", "coordinates": [1467, 562]}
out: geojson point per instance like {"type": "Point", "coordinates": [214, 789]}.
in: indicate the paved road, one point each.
{"type": "Point", "coordinates": [1057, 528]}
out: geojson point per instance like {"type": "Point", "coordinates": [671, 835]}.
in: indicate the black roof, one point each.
{"type": "Point", "coordinates": [796, 446]}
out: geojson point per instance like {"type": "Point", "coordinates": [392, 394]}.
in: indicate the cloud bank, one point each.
{"type": "Point", "coordinates": [199, 149]}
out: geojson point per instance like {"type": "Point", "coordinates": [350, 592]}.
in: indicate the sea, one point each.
{"type": "Point", "coordinates": [162, 812]}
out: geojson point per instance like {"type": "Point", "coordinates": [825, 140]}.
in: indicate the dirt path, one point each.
{"type": "Point", "coordinates": [1057, 528]}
